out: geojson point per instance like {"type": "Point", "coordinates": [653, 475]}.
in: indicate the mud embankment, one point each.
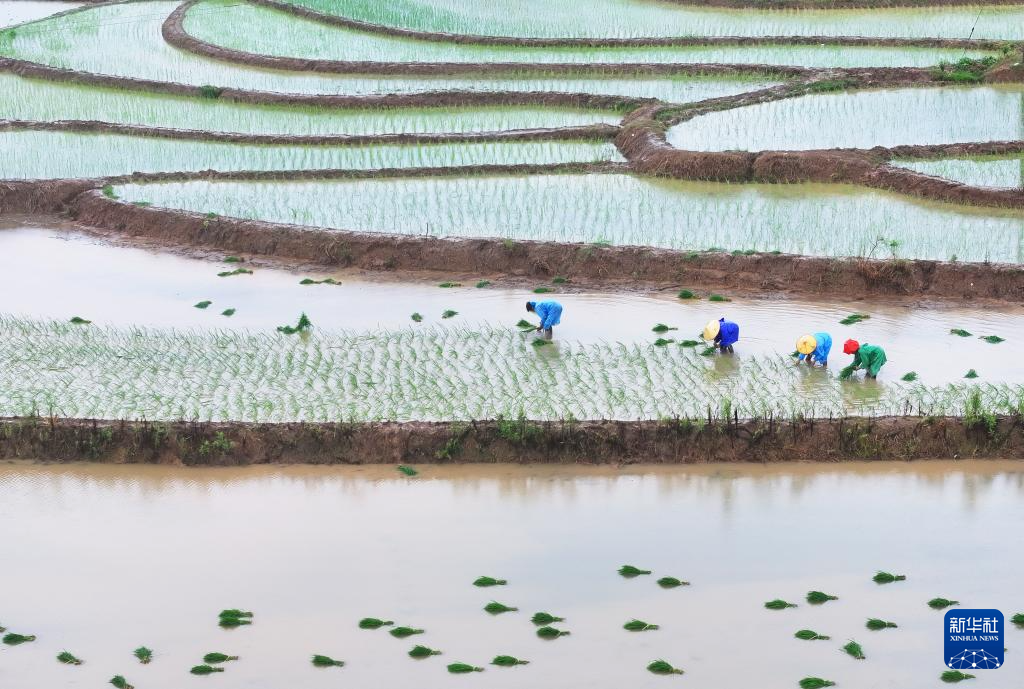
{"type": "Point", "coordinates": [513, 441]}
{"type": "Point", "coordinates": [46, 197]}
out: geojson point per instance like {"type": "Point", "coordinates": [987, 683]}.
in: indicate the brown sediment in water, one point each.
{"type": "Point", "coordinates": [588, 442]}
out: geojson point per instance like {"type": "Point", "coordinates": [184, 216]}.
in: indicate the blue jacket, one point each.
{"type": "Point", "coordinates": [549, 312]}
{"type": "Point", "coordinates": [820, 353]}
{"type": "Point", "coordinates": [728, 333]}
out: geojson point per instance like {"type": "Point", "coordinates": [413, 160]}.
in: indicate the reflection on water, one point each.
{"type": "Point", "coordinates": [155, 552]}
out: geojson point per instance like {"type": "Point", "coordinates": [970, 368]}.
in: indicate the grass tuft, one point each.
{"type": "Point", "coordinates": [228, 312]}
{"type": "Point", "coordinates": [718, 297]}
{"type": "Point", "coordinates": [417, 317]}
{"type": "Point", "coordinates": [326, 661]}
{"type": "Point", "coordinates": [661, 342]}
{"type": "Point", "coordinates": [559, 280]}
{"type": "Point", "coordinates": [661, 667]}
{"type": "Point", "coordinates": [542, 290]}
{"type": "Point", "coordinates": [689, 343]}
{"type": "Point", "coordinates": [78, 320]}
{"type": "Point", "coordinates": [1018, 619]}
{"type": "Point", "coordinates": [631, 571]}
{"type": "Point", "coordinates": [448, 285]}
{"type": "Point", "coordinates": [233, 259]}
{"type": "Point", "coordinates": [483, 283]}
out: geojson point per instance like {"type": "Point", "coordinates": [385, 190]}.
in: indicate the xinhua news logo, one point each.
{"type": "Point", "coordinates": [974, 640]}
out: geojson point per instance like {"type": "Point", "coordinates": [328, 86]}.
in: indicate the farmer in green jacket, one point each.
{"type": "Point", "coordinates": [871, 358]}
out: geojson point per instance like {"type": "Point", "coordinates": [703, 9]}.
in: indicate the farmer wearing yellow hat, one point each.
{"type": "Point", "coordinates": [724, 334]}
{"type": "Point", "coordinates": [814, 348]}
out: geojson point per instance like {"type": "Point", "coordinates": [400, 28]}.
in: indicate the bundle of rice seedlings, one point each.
{"type": "Point", "coordinates": [325, 281]}
{"type": "Point", "coordinates": [417, 317]}
{"type": "Point", "coordinates": [78, 320]}
{"type": "Point", "coordinates": [217, 657]}
{"type": "Point", "coordinates": [551, 633]}
{"type": "Point", "coordinates": [508, 661]}
{"type": "Point", "coordinates": [202, 304]}
{"type": "Point", "coordinates": [449, 313]}
{"type": "Point", "coordinates": [971, 374]}
{"type": "Point", "coordinates": [661, 342]}
{"type": "Point", "coordinates": [543, 618]}
{"type": "Point", "coordinates": [959, 332]}
{"type": "Point", "coordinates": [686, 294]}
{"type": "Point", "coordinates": [463, 668]}
{"type": "Point", "coordinates": [233, 259]}
{"type": "Point", "coordinates": [718, 297]}
{"type": "Point", "coordinates": [423, 652]}
{"type": "Point", "coordinates": [407, 470]}
{"type": "Point", "coordinates": [661, 667]}
{"type": "Point", "coordinates": [1017, 619]}
{"type": "Point", "coordinates": [876, 624]}
{"type": "Point", "coordinates": [233, 617]}
{"type": "Point", "coordinates": [525, 324]}
{"type": "Point", "coordinates": [815, 683]}
{"type": "Point", "coordinates": [854, 318]}
{"type": "Point", "coordinates": [143, 654]}
{"type": "Point", "coordinates": [810, 635]}
{"type": "Point", "coordinates": [228, 312]}
{"type": "Point", "coordinates": [496, 608]}
{"type": "Point", "coordinates": [447, 285]}
{"type": "Point", "coordinates": [631, 571]}
{"type": "Point", "coordinates": [2, 629]}
{"type": "Point", "coordinates": [779, 604]}
{"type": "Point", "coordinates": [405, 632]}
{"type": "Point", "coordinates": [373, 623]}
{"type": "Point", "coordinates": [846, 372]}
{"type": "Point", "coordinates": [489, 581]}
{"type": "Point", "coordinates": [707, 351]}
{"type": "Point", "coordinates": [302, 325]}
{"type": "Point", "coordinates": [68, 658]}
{"type": "Point", "coordinates": [12, 639]}
{"type": "Point", "coordinates": [941, 603]}
{"type": "Point", "coordinates": [205, 669]}
{"type": "Point", "coordinates": [909, 377]}
{"type": "Point", "coordinates": [540, 343]}
{"type": "Point", "coordinates": [483, 283]}
{"type": "Point", "coordinates": [662, 328]}
{"type": "Point", "coordinates": [236, 271]}
{"type": "Point", "coordinates": [993, 339]}
{"type": "Point", "coordinates": [120, 682]}
{"type": "Point", "coordinates": [951, 676]}
{"type": "Point", "coordinates": [639, 626]}
{"type": "Point", "coordinates": [817, 597]}
{"type": "Point", "coordinates": [326, 661]}
{"type": "Point", "coordinates": [886, 578]}
{"type": "Point", "coordinates": [854, 650]}
{"type": "Point", "coordinates": [559, 280]}
{"type": "Point", "coordinates": [671, 582]}
{"type": "Point", "coordinates": [688, 343]}
{"type": "Point", "coordinates": [542, 290]}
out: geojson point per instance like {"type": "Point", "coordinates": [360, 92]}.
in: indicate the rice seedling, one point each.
{"type": "Point", "coordinates": [12, 639]}
{"type": "Point", "coordinates": [846, 372]}
{"type": "Point", "coordinates": [68, 658]}
{"type": "Point", "coordinates": [217, 657]}
{"type": "Point", "coordinates": [448, 285]}
{"type": "Point", "coordinates": [630, 571]}
{"type": "Point", "coordinates": [463, 668]}
{"type": "Point", "coordinates": [489, 581]}
{"type": "Point", "coordinates": [853, 649]}
{"type": "Point", "coordinates": [718, 297]}
{"type": "Point", "coordinates": [417, 317]}
{"type": "Point", "coordinates": [815, 683]}
{"type": "Point", "coordinates": [662, 328]}
{"type": "Point", "coordinates": [202, 304]}
{"type": "Point", "coordinates": [661, 342]}
{"type": "Point", "coordinates": [941, 603]}
{"type": "Point", "coordinates": [78, 320]}
{"type": "Point", "coordinates": [143, 654]}
{"type": "Point", "coordinates": [508, 661]}
{"type": "Point", "coordinates": [779, 604]}
{"type": "Point", "coordinates": [542, 290]}
{"type": "Point", "coordinates": [423, 652]}
{"type": "Point", "coordinates": [854, 318]}
{"type": "Point", "coordinates": [496, 608]}
{"type": "Point", "coordinates": [525, 324]}
{"type": "Point", "coordinates": [303, 325]}
{"type": "Point", "coordinates": [1017, 619]}
{"type": "Point", "coordinates": [228, 312]}
{"type": "Point", "coordinates": [707, 351]}
{"type": "Point", "coordinates": [373, 623]}
{"type": "Point", "coordinates": [875, 624]}
{"type": "Point", "coordinates": [551, 633]}
{"type": "Point", "coordinates": [817, 597]}
{"type": "Point", "coordinates": [407, 470]}
{"type": "Point", "coordinates": [120, 682]}
{"type": "Point", "coordinates": [639, 626]}
{"type": "Point", "coordinates": [688, 343]}
{"type": "Point", "coordinates": [671, 582]}
{"type": "Point", "coordinates": [686, 294]}
{"type": "Point", "coordinates": [951, 676]}
{"type": "Point", "coordinates": [449, 314]}
{"type": "Point", "coordinates": [993, 339]}
{"type": "Point", "coordinates": [326, 661]}
{"type": "Point", "coordinates": [236, 271]}
{"type": "Point", "coordinates": [205, 669]}
{"type": "Point", "coordinates": [887, 578]}
{"type": "Point", "coordinates": [404, 632]}
{"type": "Point", "coordinates": [909, 377]}
{"type": "Point", "coordinates": [483, 283]}
{"type": "Point", "coordinates": [325, 281]}
{"type": "Point", "coordinates": [971, 374]}
{"type": "Point", "coordinates": [661, 667]}
{"type": "Point", "coordinates": [540, 343]}
{"type": "Point", "coordinates": [559, 280]}
{"type": "Point", "coordinates": [545, 618]}
{"type": "Point", "coordinates": [810, 635]}
{"type": "Point", "coordinates": [233, 259]}
{"type": "Point", "coordinates": [959, 332]}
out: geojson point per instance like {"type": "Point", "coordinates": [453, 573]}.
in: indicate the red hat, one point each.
{"type": "Point", "coordinates": [850, 346]}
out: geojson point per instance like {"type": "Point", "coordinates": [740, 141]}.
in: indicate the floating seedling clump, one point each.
{"type": "Point", "coordinates": [301, 326]}
{"type": "Point", "coordinates": [78, 320]}
{"type": "Point", "coordinates": [417, 317]}
{"type": "Point", "coordinates": [543, 618]}
{"type": "Point", "coordinates": [449, 314]}
{"type": "Point", "coordinates": [909, 377]}
{"type": "Point", "coordinates": [817, 597]}
{"type": "Point", "coordinates": [779, 604]}
{"type": "Point", "coordinates": [875, 624]}
{"type": "Point", "coordinates": [233, 617]}
{"type": "Point", "coordinates": [811, 635]}
{"type": "Point", "coordinates": [463, 668]}
{"type": "Point", "coordinates": [960, 332]}
{"type": "Point", "coordinates": [448, 285]}
{"type": "Point", "coordinates": [373, 623]}
{"type": "Point", "coordinates": [236, 271]}
{"type": "Point", "coordinates": [12, 639]}
{"type": "Point", "coordinates": [120, 682]}
{"type": "Point", "coordinates": [423, 652]}
{"type": "Point", "coordinates": [68, 658]}
{"type": "Point", "coordinates": [508, 661]}
{"type": "Point", "coordinates": [228, 312]}
{"type": "Point", "coordinates": [326, 661]}
{"type": "Point", "coordinates": [205, 669]}
{"type": "Point", "coordinates": [143, 654]}
{"type": "Point", "coordinates": [325, 281]}
{"type": "Point", "coordinates": [551, 633]}
{"type": "Point", "coordinates": [854, 650]}
{"type": "Point", "coordinates": [662, 328]}
{"type": "Point", "coordinates": [661, 667]}
{"type": "Point", "coordinates": [993, 339]}
{"type": "Point", "coordinates": [639, 626]}
{"type": "Point", "coordinates": [496, 608]}
{"type": "Point", "coordinates": [407, 470]}
{"type": "Point", "coordinates": [203, 304]}
{"type": "Point", "coordinates": [941, 603]}
{"type": "Point", "coordinates": [854, 318]}
{"type": "Point", "coordinates": [630, 571]}
{"type": "Point", "coordinates": [815, 683]}
{"type": "Point", "coordinates": [671, 582]}
{"type": "Point", "coordinates": [217, 657]}
{"type": "Point", "coordinates": [404, 632]}
{"type": "Point", "coordinates": [887, 578]}
{"type": "Point", "coordinates": [951, 676]}
{"type": "Point", "coordinates": [971, 374]}
{"type": "Point", "coordinates": [489, 581]}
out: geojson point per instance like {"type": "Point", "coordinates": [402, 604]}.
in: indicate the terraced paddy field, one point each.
{"type": "Point", "coordinates": [983, 172]}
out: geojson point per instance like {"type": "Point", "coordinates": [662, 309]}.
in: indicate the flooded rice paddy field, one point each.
{"type": "Point", "coordinates": [156, 552]}
{"type": "Point", "coordinates": [18, 11]}
{"type": "Point", "coordinates": [861, 119]}
{"type": "Point", "coordinates": [817, 220]}
{"type": "Point", "coordinates": [272, 32]}
{"type": "Point", "coordinates": [981, 172]}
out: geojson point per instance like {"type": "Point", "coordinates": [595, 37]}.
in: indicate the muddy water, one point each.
{"type": "Point", "coordinates": [18, 11]}
{"type": "Point", "coordinates": [57, 273]}
{"type": "Point", "coordinates": [100, 559]}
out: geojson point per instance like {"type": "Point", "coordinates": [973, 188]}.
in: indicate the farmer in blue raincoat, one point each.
{"type": "Point", "coordinates": [550, 314]}
{"type": "Point", "coordinates": [814, 349]}
{"type": "Point", "coordinates": [723, 333]}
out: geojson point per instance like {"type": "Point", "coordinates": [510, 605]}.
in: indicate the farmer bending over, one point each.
{"type": "Point", "coordinates": [814, 348]}
{"type": "Point", "coordinates": [550, 314]}
{"type": "Point", "coordinates": [724, 334]}
{"type": "Point", "coordinates": [871, 358]}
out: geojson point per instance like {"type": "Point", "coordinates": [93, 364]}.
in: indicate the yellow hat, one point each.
{"type": "Point", "coordinates": [806, 344]}
{"type": "Point", "coordinates": [711, 330]}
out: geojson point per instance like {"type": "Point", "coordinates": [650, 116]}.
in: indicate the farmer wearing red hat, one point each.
{"type": "Point", "coordinates": [871, 358]}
